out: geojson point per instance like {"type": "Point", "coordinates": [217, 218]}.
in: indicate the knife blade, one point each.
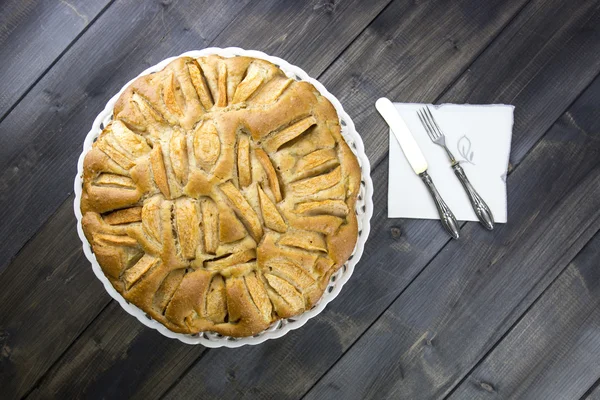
{"type": "Point", "coordinates": [409, 146]}
{"type": "Point", "coordinates": [417, 161]}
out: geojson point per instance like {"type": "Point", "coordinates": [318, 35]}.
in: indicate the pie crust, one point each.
{"type": "Point", "coordinates": [221, 196]}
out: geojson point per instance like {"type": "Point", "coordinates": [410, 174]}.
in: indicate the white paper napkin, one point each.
{"type": "Point", "coordinates": [478, 136]}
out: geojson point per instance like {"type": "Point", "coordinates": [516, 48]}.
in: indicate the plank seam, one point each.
{"type": "Point", "coordinates": [356, 38]}
{"type": "Point", "coordinates": [468, 66]}
{"type": "Point", "coordinates": [56, 60]}
{"type": "Point", "coordinates": [4, 268]}
{"type": "Point", "coordinates": [506, 25]}
{"type": "Point", "coordinates": [378, 317]}
{"type": "Point", "coordinates": [526, 311]}
{"type": "Point", "coordinates": [185, 372]}
{"type": "Point", "coordinates": [590, 390]}
{"type": "Point", "coordinates": [39, 381]}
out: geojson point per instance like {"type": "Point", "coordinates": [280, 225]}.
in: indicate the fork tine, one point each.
{"type": "Point", "coordinates": [430, 131]}
{"type": "Point", "coordinates": [427, 126]}
{"type": "Point", "coordinates": [424, 124]}
{"type": "Point", "coordinates": [434, 122]}
{"type": "Point", "coordinates": [430, 122]}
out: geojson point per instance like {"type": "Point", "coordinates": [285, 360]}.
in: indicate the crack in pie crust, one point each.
{"type": "Point", "coordinates": [221, 197]}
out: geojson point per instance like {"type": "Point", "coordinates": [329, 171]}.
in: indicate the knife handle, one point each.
{"type": "Point", "coordinates": [483, 212]}
{"type": "Point", "coordinates": [446, 216]}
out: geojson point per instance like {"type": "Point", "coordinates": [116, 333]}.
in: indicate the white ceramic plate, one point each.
{"type": "Point", "coordinates": [364, 211]}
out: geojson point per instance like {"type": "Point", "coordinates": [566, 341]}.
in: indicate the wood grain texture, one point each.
{"type": "Point", "coordinates": [33, 33]}
{"type": "Point", "coordinates": [309, 34]}
{"type": "Point", "coordinates": [553, 352]}
{"type": "Point", "coordinates": [48, 296]}
{"type": "Point", "coordinates": [528, 62]}
{"type": "Point", "coordinates": [40, 140]}
{"type": "Point", "coordinates": [593, 392]}
{"type": "Point", "coordinates": [97, 367]}
{"type": "Point", "coordinates": [525, 64]}
{"type": "Point", "coordinates": [475, 289]}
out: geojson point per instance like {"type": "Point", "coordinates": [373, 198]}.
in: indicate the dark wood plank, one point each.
{"type": "Point", "coordinates": [394, 258]}
{"type": "Point", "coordinates": [553, 352]}
{"type": "Point", "coordinates": [41, 139]}
{"type": "Point", "coordinates": [310, 35]}
{"type": "Point", "coordinates": [39, 292]}
{"type": "Point", "coordinates": [548, 39]}
{"type": "Point", "coordinates": [320, 26]}
{"type": "Point", "coordinates": [475, 289]}
{"type": "Point", "coordinates": [28, 289]}
{"type": "Point", "coordinates": [33, 33]}
{"type": "Point", "coordinates": [98, 367]}
{"type": "Point", "coordinates": [594, 392]}
{"type": "Point", "coordinates": [522, 67]}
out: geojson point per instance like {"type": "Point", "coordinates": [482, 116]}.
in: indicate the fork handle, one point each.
{"type": "Point", "coordinates": [483, 212]}
{"type": "Point", "coordinates": [447, 218]}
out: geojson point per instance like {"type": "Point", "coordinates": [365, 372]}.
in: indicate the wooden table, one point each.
{"type": "Point", "coordinates": [514, 313]}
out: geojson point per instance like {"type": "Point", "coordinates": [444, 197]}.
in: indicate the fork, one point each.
{"type": "Point", "coordinates": [483, 212]}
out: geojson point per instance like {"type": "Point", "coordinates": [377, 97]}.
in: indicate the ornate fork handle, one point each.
{"type": "Point", "coordinates": [483, 212]}
{"type": "Point", "coordinates": [447, 217]}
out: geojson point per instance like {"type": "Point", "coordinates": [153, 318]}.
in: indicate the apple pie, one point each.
{"type": "Point", "coordinates": [221, 196]}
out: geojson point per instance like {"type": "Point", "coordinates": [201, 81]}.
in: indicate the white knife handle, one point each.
{"type": "Point", "coordinates": [389, 113]}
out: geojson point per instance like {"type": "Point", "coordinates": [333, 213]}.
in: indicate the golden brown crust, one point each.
{"type": "Point", "coordinates": [221, 197]}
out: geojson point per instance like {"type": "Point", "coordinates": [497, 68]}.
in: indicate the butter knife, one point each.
{"type": "Point", "coordinates": [417, 161]}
